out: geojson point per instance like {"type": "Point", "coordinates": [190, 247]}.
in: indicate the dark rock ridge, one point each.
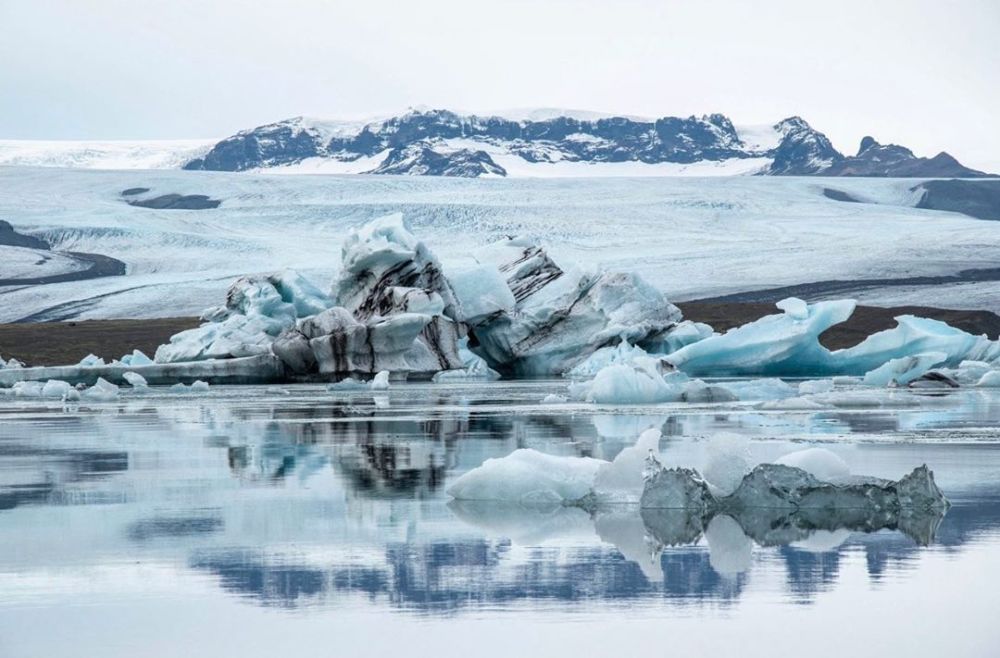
{"type": "Point", "coordinates": [890, 160]}
{"type": "Point", "coordinates": [979, 199]}
{"type": "Point", "coordinates": [443, 143]}
{"type": "Point", "coordinates": [173, 201]}
{"type": "Point", "coordinates": [11, 238]}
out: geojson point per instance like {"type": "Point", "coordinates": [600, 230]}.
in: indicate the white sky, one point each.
{"type": "Point", "coordinates": [921, 73]}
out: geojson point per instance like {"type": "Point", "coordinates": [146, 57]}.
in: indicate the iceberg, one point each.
{"type": "Point", "coordinates": [790, 488]}
{"type": "Point", "coordinates": [786, 344]}
{"type": "Point", "coordinates": [528, 477]}
{"type": "Point", "coordinates": [257, 309]}
{"type": "Point", "coordinates": [196, 387]}
{"type": "Point", "coordinates": [135, 380]}
{"type": "Point", "coordinates": [101, 391]}
{"type": "Point", "coordinates": [381, 381]}
{"type": "Point", "coordinates": [902, 371]}
{"type": "Point", "coordinates": [136, 358]}
{"type": "Point", "coordinates": [562, 316]}
{"type": "Point", "coordinates": [624, 384]}
{"type": "Point", "coordinates": [648, 380]}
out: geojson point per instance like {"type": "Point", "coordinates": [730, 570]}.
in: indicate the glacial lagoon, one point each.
{"type": "Point", "coordinates": [256, 521]}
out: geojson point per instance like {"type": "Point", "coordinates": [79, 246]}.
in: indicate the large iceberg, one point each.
{"type": "Point", "coordinates": [561, 316]}
{"type": "Point", "coordinates": [808, 479]}
{"type": "Point", "coordinates": [257, 309]}
{"type": "Point", "coordinates": [527, 476]}
{"type": "Point", "coordinates": [790, 488]}
{"type": "Point", "coordinates": [787, 344]}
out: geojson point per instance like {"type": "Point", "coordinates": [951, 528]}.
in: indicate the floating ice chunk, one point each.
{"type": "Point", "coordinates": [101, 391]}
{"type": "Point", "coordinates": [527, 476]}
{"type": "Point", "coordinates": [621, 354]}
{"type": "Point", "coordinates": [792, 404]}
{"type": "Point", "coordinates": [902, 371]}
{"type": "Point", "coordinates": [91, 360]}
{"type": "Point", "coordinates": [136, 358]}
{"type": "Point", "coordinates": [482, 293]}
{"type": "Point", "coordinates": [478, 370]}
{"type": "Point", "coordinates": [819, 462]}
{"type": "Point", "coordinates": [135, 380]}
{"type": "Point", "coordinates": [730, 551]}
{"type": "Point", "coordinates": [756, 390]}
{"type": "Point", "coordinates": [277, 390]}
{"type": "Point", "coordinates": [196, 387]}
{"type": "Point", "coordinates": [621, 479]}
{"type": "Point", "coordinates": [913, 336]}
{"type": "Point", "coordinates": [348, 384]}
{"type": "Point", "coordinates": [381, 381]}
{"type": "Point", "coordinates": [990, 379]}
{"type": "Point", "coordinates": [786, 344]}
{"type": "Point", "coordinates": [552, 398]}
{"type": "Point", "coordinates": [784, 489]}
{"type": "Point", "coordinates": [59, 390]}
{"type": "Point", "coordinates": [623, 384]}
{"type": "Point", "coordinates": [699, 392]}
{"type": "Point", "coordinates": [727, 460]}
{"type": "Point", "coordinates": [12, 364]}
{"type": "Point", "coordinates": [812, 386]}
{"type": "Point", "coordinates": [27, 389]}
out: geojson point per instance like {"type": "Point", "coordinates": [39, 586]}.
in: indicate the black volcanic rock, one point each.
{"type": "Point", "coordinates": [980, 199]}
{"type": "Point", "coordinates": [420, 160]}
{"type": "Point", "coordinates": [891, 160]}
{"type": "Point", "coordinates": [11, 238]}
{"type": "Point", "coordinates": [285, 142]}
{"type": "Point", "coordinates": [177, 202]}
{"type": "Point", "coordinates": [803, 151]}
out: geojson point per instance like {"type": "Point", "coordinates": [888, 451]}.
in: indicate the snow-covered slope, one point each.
{"type": "Point", "coordinates": [693, 237]}
{"type": "Point", "coordinates": [513, 143]}
{"type": "Point", "coordinates": [543, 142]}
{"type": "Point", "coordinates": [164, 154]}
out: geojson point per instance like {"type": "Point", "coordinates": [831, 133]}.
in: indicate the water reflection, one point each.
{"type": "Point", "coordinates": [310, 501]}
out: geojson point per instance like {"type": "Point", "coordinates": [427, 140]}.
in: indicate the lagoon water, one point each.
{"type": "Point", "coordinates": [296, 521]}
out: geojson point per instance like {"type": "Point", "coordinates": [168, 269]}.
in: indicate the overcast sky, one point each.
{"type": "Point", "coordinates": [921, 73]}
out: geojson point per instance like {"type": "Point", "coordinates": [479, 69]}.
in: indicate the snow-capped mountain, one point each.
{"type": "Point", "coordinates": [444, 143]}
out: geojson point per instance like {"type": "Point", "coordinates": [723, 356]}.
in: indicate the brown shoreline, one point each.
{"type": "Point", "coordinates": [61, 343]}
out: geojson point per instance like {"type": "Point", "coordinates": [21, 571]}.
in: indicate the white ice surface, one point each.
{"type": "Point", "coordinates": [109, 154]}
{"type": "Point", "coordinates": [693, 237]}
{"type": "Point", "coordinates": [25, 263]}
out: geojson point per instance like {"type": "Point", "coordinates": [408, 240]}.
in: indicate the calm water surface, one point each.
{"type": "Point", "coordinates": [255, 522]}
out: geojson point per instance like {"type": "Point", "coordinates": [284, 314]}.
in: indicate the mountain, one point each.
{"type": "Point", "coordinates": [445, 143]}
